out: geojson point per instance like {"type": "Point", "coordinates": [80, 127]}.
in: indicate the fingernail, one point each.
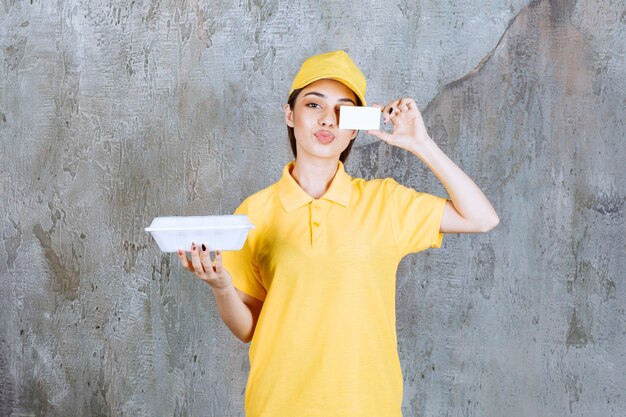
{"type": "Point", "coordinates": [390, 110]}
{"type": "Point", "coordinates": [180, 252]}
{"type": "Point", "coordinates": [218, 252]}
{"type": "Point", "coordinates": [203, 248]}
{"type": "Point", "coordinates": [193, 246]}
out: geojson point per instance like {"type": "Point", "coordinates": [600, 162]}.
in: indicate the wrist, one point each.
{"type": "Point", "coordinates": [424, 147]}
{"type": "Point", "coordinates": [222, 290]}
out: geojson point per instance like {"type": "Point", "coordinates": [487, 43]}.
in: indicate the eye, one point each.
{"type": "Point", "coordinates": [312, 105]}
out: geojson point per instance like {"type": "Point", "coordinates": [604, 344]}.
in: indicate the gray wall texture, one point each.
{"type": "Point", "coordinates": [114, 112]}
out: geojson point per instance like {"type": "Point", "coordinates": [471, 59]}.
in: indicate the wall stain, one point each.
{"type": "Point", "coordinates": [437, 127]}
{"type": "Point", "coordinates": [576, 334]}
{"type": "Point", "coordinates": [14, 53]}
{"type": "Point", "coordinates": [131, 249]}
{"type": "Point", "coordinates": [12, 243]}
{"type": "Point", "coordinates": [608, 204]}
{"type": "Point", "coordinates": [264, 59]}
{"type": "Point", "coordinates": [592, 278]}
{"type": "Point", "coordinates": [162, 272]}
{"type": "Point", "coordinates": [206, 24]}
{"type": "Point", "coordinates": [7, 385]}
{"type": "Point", "coordinates": [33, 396]}
{"type": "Point", "coordinates": [192, 165]}
{"type": "Point", "coordinates": [483, 269]}
{"type": "Point", "coordinates": [65, 268]}
{"type": "Point", "coordinates": [561, 10]}
{"type": "Point", "coordinates": [573, 389]}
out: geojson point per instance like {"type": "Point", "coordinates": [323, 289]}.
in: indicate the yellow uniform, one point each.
{"type": "Point", "coordinates": [325, 344]}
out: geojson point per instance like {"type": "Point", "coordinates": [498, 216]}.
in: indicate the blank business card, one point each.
{"type": "Point", "coordinates": [359, 118]}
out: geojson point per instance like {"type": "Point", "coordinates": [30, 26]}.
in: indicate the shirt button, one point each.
{"type": "Point", "coordinates": [316, 224]}
{"type": "Point", "coordinates": [316, 207]}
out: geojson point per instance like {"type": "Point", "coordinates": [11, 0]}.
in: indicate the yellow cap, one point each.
{"type": "Point", "coordinates": [335, 65]}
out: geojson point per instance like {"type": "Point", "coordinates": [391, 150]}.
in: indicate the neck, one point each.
{"type": "Point", "coordinates": [315, 177]}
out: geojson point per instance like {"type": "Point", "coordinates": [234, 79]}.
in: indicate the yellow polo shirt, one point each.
{"type": "Point", "coordinates": [325, 344]}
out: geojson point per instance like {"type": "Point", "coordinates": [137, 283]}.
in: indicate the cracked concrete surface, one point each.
{"type": "Point", "coordinates": [112, 113]}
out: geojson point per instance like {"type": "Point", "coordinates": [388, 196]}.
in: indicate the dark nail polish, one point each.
{"type": "Point", "coordinates": [203, 248]}
{"type": "Point", "coordinates": [390, 110]}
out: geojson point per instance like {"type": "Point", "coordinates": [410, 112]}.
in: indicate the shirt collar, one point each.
{"type": "Point", "coordinates": [292, 196]}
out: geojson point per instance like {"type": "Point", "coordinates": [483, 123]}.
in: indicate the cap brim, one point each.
{"type": "Point", "coordinates": [344, 81]}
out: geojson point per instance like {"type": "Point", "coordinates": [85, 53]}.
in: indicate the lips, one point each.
{"type": "Point", "coordinates": [324, 136]}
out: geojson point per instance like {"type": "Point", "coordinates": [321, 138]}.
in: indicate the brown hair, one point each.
{"type": "Point", "coordinates": [292, 137]}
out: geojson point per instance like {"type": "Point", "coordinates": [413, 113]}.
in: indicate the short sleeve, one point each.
{"type": "Point", "coordinates": [416, 218]}
{"type": "Point", "coordinates": [242, 264]}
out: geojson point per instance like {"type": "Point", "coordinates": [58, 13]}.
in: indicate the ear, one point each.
{"type": "Point", "coordinates": [356, 133]}
{"type": "Point", "coordinates": [288, 115]}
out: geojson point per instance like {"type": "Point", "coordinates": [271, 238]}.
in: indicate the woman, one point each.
{"type": "Point", "coordinates": [313, 288]}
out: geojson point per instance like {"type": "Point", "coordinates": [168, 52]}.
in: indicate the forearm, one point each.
{"type": "Point", "coordinates": [235, 313]}
{"type": "Point", "coordinates": [467, 198]}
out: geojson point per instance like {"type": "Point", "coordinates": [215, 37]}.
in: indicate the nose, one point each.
{"type": "Point", "coordinates": [329, 118]}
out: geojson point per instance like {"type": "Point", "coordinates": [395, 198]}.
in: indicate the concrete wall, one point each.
{"type": "Point", "coordinates": [114, 112]}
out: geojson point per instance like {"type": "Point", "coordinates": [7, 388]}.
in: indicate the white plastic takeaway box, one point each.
{"type": "Point", "coordinates": [227, 232]}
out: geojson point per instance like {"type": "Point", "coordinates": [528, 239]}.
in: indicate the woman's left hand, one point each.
{"type": "Point", "coordinates": [408, 131]}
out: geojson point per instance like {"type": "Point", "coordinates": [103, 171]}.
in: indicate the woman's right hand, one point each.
{"type": "Point", "coordinates": [211, 272]}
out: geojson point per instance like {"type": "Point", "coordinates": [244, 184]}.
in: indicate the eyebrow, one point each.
{"type": "Point", "coordinates": [344, 99]}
